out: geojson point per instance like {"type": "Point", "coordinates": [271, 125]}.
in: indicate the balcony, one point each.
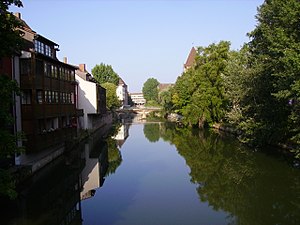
{"type": "Point", "coordinates": [40, 142]}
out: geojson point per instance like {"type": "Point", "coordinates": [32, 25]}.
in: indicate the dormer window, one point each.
{"type": "Point", "coordinates": [42, 48]}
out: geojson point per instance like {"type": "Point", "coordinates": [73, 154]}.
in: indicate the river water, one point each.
{"type": "Point", "coordinates": [158, 174]}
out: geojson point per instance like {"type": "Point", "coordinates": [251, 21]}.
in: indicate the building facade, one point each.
{"type": "Point", "coordinates": [138, 99]}
{"type": "Point", "coordinates": [122, 93]}
{"type": "Point", "coordinates": [47, 113]}
{"type": "Point", "coordinates": [91, 98]}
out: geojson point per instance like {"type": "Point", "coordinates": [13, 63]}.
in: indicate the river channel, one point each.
{"type": "Point", "coordinates": [157, 174]}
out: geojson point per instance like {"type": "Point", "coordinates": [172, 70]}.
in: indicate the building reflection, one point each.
{"type": "Point", "coordinates": [122, 134]}
{"type": "Point", "coordinates": [52, 196]}
{"type": "Point", "coordinates": [96, 164]}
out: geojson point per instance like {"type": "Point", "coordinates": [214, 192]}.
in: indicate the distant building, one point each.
{"type": "Point", "coordinates": [190, 60]}
{"type": "Point", "coordinates": [91, 98]}
{"type": "Point", "coordinates": [138, 98]}
{"type": "Point", "coordinates": [122, 92]}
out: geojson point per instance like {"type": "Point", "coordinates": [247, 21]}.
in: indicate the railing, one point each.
{"type": "Point", "coordinates": [46, 140]}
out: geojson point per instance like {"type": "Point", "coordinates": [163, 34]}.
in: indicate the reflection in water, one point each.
{"type": "Point", "coordinates": [53, 196]}
{"type": "Point", "coordinates": [96, 165]}
{"type": "Point", "coordinates": [102, 158]}
{"type": "Point", "coordinates": [151, 131]}
{"type": "Point", "coordinates": [252, 187]}
{"type": "Point", "coordinates": [122, 134]}
{"type": "Point", "coordinates": [199, 178]}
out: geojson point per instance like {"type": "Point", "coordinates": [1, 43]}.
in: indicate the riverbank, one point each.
{"type": "Point", "coordinates": [284, 149]}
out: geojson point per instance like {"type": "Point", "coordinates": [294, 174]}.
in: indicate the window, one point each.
{"type": "Point", "coordinates": [48, 50]}
{"type": "Point", "coordinates": [53, 97]}
{"type": "Point", "coordinates": [46, 96]}
{"type": "Point", "coordinates": [39, 96]}
{"type": "Point", "coordinates": [72, 98]}
{"type": "Point", "coordinates": [72, 75]}
{"type": "Point", "coordinates": [39, 47]}
{"type": "Point", "coordinates": [39, 67]}
{"type": "Point", "coordinates": [55, 72]}
{"type": "Point", "coordinates": [47, 69]}
{"type": "Point", "coordinates": [62, 73]}
{"type": "Point", "coordinates": [69, 98]}
{"type": "Point", "coordinates": [56, 96]}
{"type": "Point", "coordinates": [42, 48]}
{"type": "Point", "coordinates": [64, 98]}
{"type": "Point", "coordinates": [26, 97]}
{"type": "Point", "coordinates": [25, 65]}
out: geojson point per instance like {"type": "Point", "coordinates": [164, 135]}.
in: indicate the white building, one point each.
{"type": "Point", "coordinates": [91, 98]}
{"type": "Point", "coordinates": [122, 92]}
{"type": "Point", "coordinates": [138, 98]}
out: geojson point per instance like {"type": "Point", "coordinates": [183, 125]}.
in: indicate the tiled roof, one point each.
{"type": "Point", "coordinates": [164, 87]}
{"type": "Point", "coordinates": [121, 82]}
{"type": "Point", "coordinates": [191, 58]}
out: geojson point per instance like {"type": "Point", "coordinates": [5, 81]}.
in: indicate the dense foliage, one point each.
{"type": "Point", "coordinates": [112, 101]}
{"type": "Point", "coordinates": [255, 90]}
{"type": "Point", "coordinates": [9, 36]}
{"type": "Point", "coordinates": [150, 90]}
{"type": "Point", "coordinates": [11, 42]}
{"type": "Point", "coordinates": [199, 93]}
{"type": "Point", "coordinates": [231, 178]}
{"type": "Point", "coordinates": [273, 106]}
{"type": "Point", "coordinates": [105, 74]}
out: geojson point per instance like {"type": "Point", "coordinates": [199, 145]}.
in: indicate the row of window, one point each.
{"type": "Point", "coordinates": [54, 71]}
{"type": "Point", "coordinates": [55, 123]}
{"type": "Point", "coordinates": [42, 48]}
{"type": "Point", "coordinates": [47, 69]}
{"type": "Point", "coordinates": [48, 97]}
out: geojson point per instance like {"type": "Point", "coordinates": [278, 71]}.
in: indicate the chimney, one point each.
{"type": "Point", "coordinates": [82, 67]}
{"type": "Point", "coordinates": [65, 60]}
{"type": "Point", "coordinates": [18, 15]}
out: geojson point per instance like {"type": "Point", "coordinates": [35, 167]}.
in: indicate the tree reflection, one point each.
{"type": "Point", "coordinates": [151, 131]}
{"type": "Point", "coordinates": [252, 187]}
{"type": "Point", "coordinates": [114, 156]}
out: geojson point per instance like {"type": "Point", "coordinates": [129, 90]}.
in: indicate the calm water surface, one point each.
{"type": "Point", "coordinates": [157, 174]}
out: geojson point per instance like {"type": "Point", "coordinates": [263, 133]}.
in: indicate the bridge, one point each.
{"type": "Point", "coordinates": [141, 112]}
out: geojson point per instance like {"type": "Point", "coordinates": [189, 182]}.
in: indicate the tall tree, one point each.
{"type": "Point", "coordinates": [105, 74]}
{"type": "Point", "coordinates": [150, 90]}
{"type": "Point", "coordinates": [199, 93]}
{"type": "Point", "coordinates": [236, 82]}
{"type": "Point", "coordinates": [273, 113]}
{"type": "Point", "coordinates": [11, 43]}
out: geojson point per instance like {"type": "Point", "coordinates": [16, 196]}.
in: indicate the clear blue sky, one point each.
{"type": "Point", "coordinates": [139, 38]}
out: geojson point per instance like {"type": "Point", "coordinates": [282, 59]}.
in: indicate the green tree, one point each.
{"type": "Point", "coordinates": [236, 82]}
{"type": "Point", "coordinates": [9, 36]}
{"type": "Point", "coordinates": [105, 74]}
{"type": "Point", "coordinates": [11, 42]}
{"type": "Point", "coordinates": [165, 100]}
{"type": "Point", "coordinates": [272, 109]}
{"type": "Point", "coordinates": [150, 90]}
{"type": "Point", "coordinates": [112, 101]}
{"type": "Point", "coordinates": [199, 93]}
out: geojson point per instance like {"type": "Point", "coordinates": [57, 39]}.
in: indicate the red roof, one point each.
{"type": "Point", "coordinates": [191, 58]}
